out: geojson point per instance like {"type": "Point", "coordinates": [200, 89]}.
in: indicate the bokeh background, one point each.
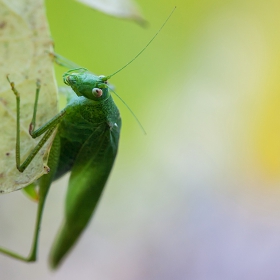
{"type": "Point", "coordinates": [198, 197]}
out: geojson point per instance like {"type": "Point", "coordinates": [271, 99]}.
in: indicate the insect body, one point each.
{"type": "Point", "coordinates": [88, 136]}
{"type": "Point", "coordinates": [86, 143]}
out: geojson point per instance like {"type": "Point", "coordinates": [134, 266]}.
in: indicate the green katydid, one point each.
{"type": "Point", "coordinates": [86, 143]}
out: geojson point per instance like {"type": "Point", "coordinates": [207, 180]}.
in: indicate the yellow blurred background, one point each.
{"type": "Point", "coordinates": [198, 197]}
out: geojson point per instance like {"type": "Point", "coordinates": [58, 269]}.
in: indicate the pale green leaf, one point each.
{"type": "Point", "coordinates": [25, 44]}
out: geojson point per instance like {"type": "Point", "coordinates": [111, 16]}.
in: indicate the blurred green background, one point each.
{"type": "Point", "coordinates": [198, 197]}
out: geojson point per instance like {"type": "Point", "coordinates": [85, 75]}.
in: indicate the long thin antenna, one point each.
{"type": "Point", "coordinates": [143, 129]}
{"type": "Point", "coordinates": [108, 77]}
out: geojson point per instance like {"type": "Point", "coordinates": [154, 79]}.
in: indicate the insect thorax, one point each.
{"type": "Point", "coordinates": [98, 113]}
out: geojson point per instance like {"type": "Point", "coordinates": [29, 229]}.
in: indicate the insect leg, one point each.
{"type": "Point", "coordinates": [62, 61]}
{"type": "Point", "coordinates": [44, 185]}
{"type": "Point", "coordinates": [48, 127]}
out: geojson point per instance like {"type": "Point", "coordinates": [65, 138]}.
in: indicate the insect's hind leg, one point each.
{"type": "Point", "coordinates": [44, 185]}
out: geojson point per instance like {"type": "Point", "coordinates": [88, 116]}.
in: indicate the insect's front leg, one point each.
{"type": "Point", "coordinates": [62, 61]}
{"type": "Point", "coordinates": [33, 121]}
{"type": "Point", "coordinates": [48, 128]}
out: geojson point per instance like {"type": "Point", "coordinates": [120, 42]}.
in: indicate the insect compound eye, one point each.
{"type": "Point", "coordinates": [97, 92]}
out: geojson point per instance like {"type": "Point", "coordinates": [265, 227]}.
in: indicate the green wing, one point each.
{"type": "Point", "coordinates": [88, 178]}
